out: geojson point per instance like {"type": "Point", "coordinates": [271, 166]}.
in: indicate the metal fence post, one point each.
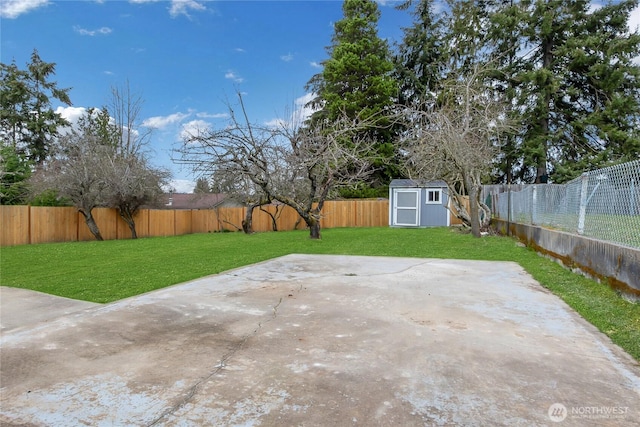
{"type": "Point", "coordinates": [583, 202]}
{"type": "Point", "coordinates": [509, 209]}
{"type": "Point", "coordinates": [534, 205]}
{"type": "Point", "coordinates": [632, 207]}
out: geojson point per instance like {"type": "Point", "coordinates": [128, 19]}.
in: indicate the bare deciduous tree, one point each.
{"type": "Point", "coordinates": [453, 138]}
{"type": "Point", "coordinates": [240, 159]}
{"type": "Point", "coordinates": [320, 159]}
{"type": "Point", "coordinates": [125, 108]}
{"type": "Point", "coordinates": [131, 181]}
{"type": "Point", "coordinates": [297, 166]}
{"type": "Point", "coordinates": [94, 166]}
{"type": "Point", "coordinates": [73, 169]}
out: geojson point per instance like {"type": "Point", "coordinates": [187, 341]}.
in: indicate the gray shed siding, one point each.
{"type": "Point", "coordinates": [418, 204]}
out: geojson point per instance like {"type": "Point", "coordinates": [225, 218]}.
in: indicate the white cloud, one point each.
{"type": "Point", "coordinates": [193, 128]}
{"type": "Point", "coordinates": [277, 123]}
{"type": "Point", "coordinates": [301, 113]}
{"type": "Point", "coordinates": [240, 50]}
{"type": "Point", "coordinates": [634, 25]}
{"type": "Point", "coordinates": [177, 7]}
{"type": "Point", "coordinates": [13, 8]}
{"type": "Point", "coordinates": [85, 32]}
{"type": "Point", "coordinates": [634, 19]}
{"type": "Point", "coordinates": [182, 7]}
{"type": "Point", "coordinates": [159, 122]}
{"type": "Point", "coordinates": [439, 6]}
{"type": "Point", "coordinates": [314, 64]}
{"type": "Point", "coordinates": [212, 116]}
{"type": "Point", "coordinates": [180, 186]}
{"type": "Point", "coordinates": [594, 6]}
{"type": "Point", "coordinates": [287, 58]}
{"type": "Point", "coordinates": [233, 76]}
{"type": "Point", "coordinates": [72, 114]}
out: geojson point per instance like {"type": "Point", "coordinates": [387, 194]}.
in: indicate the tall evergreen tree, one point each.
{"type": "Point", "coordinates": [14, 172]}
{"type": "Point", "coordinates": [565, 68]}
{"type": "Point", "coordinates": [504, 35]}
{"type": "Point", "coordinates": [357, 79]}
{"type": "Point", "coordinates": [420, 58]}
{"type": "Point", "coordinates": [27, 119]}
{"type": "Point", "coordinates": [580, 89]}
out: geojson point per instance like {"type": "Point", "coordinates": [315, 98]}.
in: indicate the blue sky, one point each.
{"type": "Point", "coordinates": [185, 58]}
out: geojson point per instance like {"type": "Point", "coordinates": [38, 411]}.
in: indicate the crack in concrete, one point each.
{"type": "Point", "coordinates": [325, 276]}
{"type": "Point", "coordinates": [191, 391]}
{"type": "Point", "coordinates": [275, 308]}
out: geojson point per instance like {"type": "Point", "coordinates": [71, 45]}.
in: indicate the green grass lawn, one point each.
{"type": "Point", "coordinates": [111, 270]}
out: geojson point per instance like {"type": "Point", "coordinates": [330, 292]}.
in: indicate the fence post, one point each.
{"type": "Point", "coordinates": [583, 202]}
{"type": "Point", "coordinates": [509, 209]}
{"type": "Point", "coordinates": [632, 208]}
{"type": "Point", "coordinates": [534, 205]}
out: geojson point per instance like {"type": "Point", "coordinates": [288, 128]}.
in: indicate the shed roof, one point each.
{"type": "Point", "coordinates": [417, 183]}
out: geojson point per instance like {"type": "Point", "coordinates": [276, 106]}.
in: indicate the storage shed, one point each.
{"type": "Point", "coordinates": [418, 203]}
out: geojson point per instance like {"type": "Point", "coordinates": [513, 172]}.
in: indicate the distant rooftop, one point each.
{"type": "Point", "coordinates": [417, 183]}
{"type": "Point", "coordinates": [192, 200]}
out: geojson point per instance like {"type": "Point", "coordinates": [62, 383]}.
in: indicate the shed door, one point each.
{"type": "Point", "coordinates": [405, 207]}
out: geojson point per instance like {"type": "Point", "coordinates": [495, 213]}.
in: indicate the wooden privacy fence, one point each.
{"type": "Point", "coordinates": [22, 225]}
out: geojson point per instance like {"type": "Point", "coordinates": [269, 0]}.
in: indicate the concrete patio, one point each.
{"type": "Point", "coordinates": [315, 340]}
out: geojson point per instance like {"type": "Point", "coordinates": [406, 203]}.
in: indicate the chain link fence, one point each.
{"type": "Point", "coordinates": [603, 204]}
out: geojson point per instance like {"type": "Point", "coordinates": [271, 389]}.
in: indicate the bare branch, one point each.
{"type": "Point", "coordinates": [454, 138]}
{"type": "Point", "coordinates": [298, 166]}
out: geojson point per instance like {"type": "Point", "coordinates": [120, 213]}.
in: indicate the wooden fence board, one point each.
{"type": "Point", "coordinates": [372, 213]}
{"type": "Point", "coordinates": [289, 219]}
{"type": "Point", "coordinates": [183, 222]}
{"type": "Point", "coordinates": [262, 220]}
{"type": "Point", "coordinates": [141, 220]}
{"type": "Point", "coordinates": [142, 223]}
{"type": "Point", "coordinates": [284, 215]}
{"type": "Point", "coordinates": [230, 218]}
{"type": "Point", "coordinates": [14, 225]}
{"type": "Point", "coordinates": [204, 221]}
{"type": "Point", "coordinates": [336, 214]}
{"type": "Point", "coordinates": [107, 220]}
{"type": "Point", "coordinates": [162, 223]}
{"type": "Point", "coordinates": [53, 224]}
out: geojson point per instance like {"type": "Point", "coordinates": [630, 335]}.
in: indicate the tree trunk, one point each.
{"type": "Point", "coordinates": [131, 224]}
{"type": "Point", "coordinates": [91, 223]}
{"type": "Point", "coordinates": [542, 174]}
{"type": "Point", "coordinates": [312, 219]}
{"type": "Point", "coordinates": [458, 207]}
{"type": "Point", "coordinates": [247, 222]}
{"type": "Point", "coordinates": [274, 217]}
{"type": "Point", "coordinates": [474, 209]}
{"type": "Point", "coordinates": [127, 216]}
{"type": "Point", "coordinates": [485, 216]}
{"type": "Point", "coordinates": [132, 227]}
{"type": "Point", "coordinates": [314, 229]}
